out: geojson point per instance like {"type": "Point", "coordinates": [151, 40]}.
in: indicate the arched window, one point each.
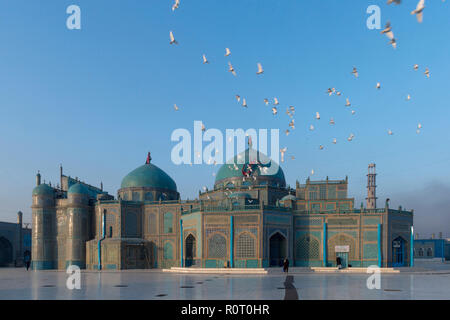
{"type": "Point", "coordinates": [152, 226]}
{"type": "Point", "coordinates": [429, 252]}
{"type": "Point", "coordinates": [136, 196]}
{"type": "Point", "coordinates": [420, 252]}
{"type": "Point", "coordinates": [217, 246]}
{"type": "Point", "coordinates": [125, 196]}
{"type": "Point", "coordinates": [168, 250]}
{"type": "Point", "coordinates": [148, 196]}
{"type": "Point", "coordinates": [245, 246]}
{"type": "Point", "coordinates": [168, 222]}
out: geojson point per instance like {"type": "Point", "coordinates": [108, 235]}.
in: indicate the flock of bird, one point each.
{"type": "Point", "coordinates": [290, 111]}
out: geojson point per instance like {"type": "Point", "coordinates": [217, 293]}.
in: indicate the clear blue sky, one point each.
{"type": "Point", "coordinates": [97, 99]}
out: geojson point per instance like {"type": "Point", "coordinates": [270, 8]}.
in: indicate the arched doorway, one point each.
{"type": "Point", "coordinates": [398, 252]}
{"type": "Point", "coordinates": [190, 244]}
{"type": "Point", "coordinates": [6, 252]}
{"type": "Point", "coordinates": [277, 249]}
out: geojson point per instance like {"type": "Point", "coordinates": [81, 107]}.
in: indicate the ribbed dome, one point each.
{"type": "Point", "coordinates": [78, 189]}
{"type": "Point", "coordinates": [43, 189]}
{"type": "Point", "coordinates": [239, 166]}
{"type": "Point", "coordinates": [148, 176]}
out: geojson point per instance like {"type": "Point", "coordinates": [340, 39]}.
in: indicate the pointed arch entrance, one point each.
{"type": "Point", "coordinates": [190, 248]}
{"type": "Point", "coordinates": [398, 252]}
{"type": "Point", "coordinates": [6, 252]}
{"type": "Point", "coordinates": [277, 249]}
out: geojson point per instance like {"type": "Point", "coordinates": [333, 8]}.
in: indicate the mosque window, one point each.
{"type": "Point", "coordinates": [323, 191]}
{"type": "Point", "coordinates": [125, 196]}
{"type": "Point", "coordinates": [149, 196]}
{"type": "Point", "coordinates": [168, 222]}
{"type": "Point", "coordinates": [312, 195]}
{"type": "Point", "coordinates": [110, 234]}
{"type": "Point", "coordinates": [420, 252]}
{"type": "Point", "coordinates": [429, 252]}
{"type": "Point", "coordinates": [331, 192]}
{"type": "Point", "coordinates": [245, 246]}
{"type": "Point", "coordinates": [168, 251]}
{"type": "Point", "coordinates": [315, 207]}
{"type": "Point", "coordinates": [152, 223]}
{"type": "Point", "coordinates": [131, 225]}
{"type": "Point", "coordinates": [217, 246]}
{"type": "Point", "coordinates": [136, 196]}
{"type": "Point", "coordinates": [307, 247]}
{"type": "Point", "coordinates": [109, 221]}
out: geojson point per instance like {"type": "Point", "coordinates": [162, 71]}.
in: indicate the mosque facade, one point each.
{"type": "Point", "coordinates": [249, 219]}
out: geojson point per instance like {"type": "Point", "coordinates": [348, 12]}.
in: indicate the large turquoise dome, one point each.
{"type": "Point", "coordinates": [78, 188]}
{"type": "Point", "coordinates": [43, 190]}
{"type": "Point", "coordinates": [148, 176]}
{"type": "Point", "coordinates": [251, 164]}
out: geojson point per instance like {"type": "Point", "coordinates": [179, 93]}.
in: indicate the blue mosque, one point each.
{"type": "Point", "coordinates": [248, 219]}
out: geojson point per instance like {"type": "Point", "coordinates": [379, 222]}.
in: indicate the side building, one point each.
{"type": "Point", "coordinates": [15, 242]}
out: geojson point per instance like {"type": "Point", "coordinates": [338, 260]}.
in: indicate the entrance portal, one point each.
{"type": "Point", "coordinates": [278, 249]}
{"type": "Point", "coordinates": [6, 252]}
{"type": "Point", "coordinates": [190, 250]}
{"type": "Point", "coordinates": [398, 252]}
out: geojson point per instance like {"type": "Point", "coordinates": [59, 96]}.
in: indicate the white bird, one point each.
{"type": "Point", "coordinates": [419, 11]}
{"type": "Point", "coordinates": [266, 101]}
{"type": "Point", "coordinates": [419, 126]}
{"type": "Point", "coordinates": [175, 107]}
{"type": "Point", "coordinates": [274, 110]}
{"type": "Point", "coordinates": [378, 86]}
{"type": "Point", "coordinates": [390, 132]}
{"type": "Point", "coordinates": [244, 103]}
{"type": "Point", "coordinates": [205, 60]}
{"type": "Point", "coordinates": [334, 141]}
{"type": "Point", "coordinates": [394, 1]}
{"type": "Point", "coordinates": [416, 67]}
{"type": "Point", "coordinates": [203, 127]}
{"type": "Point", "coordinates": [427, 72]}
{"type": "Point", "coordinates": [353, 112]}
{"type": "Point", "coordinates": [408, 97]}
{"type": "Point", "coordinates": [283, 151]}
{"type": "Point", "coordinates": [321, 147]}
{"type": "Point", "coordinates": [388, 31]}
{"type": "Point", "coordinates": [330, 91]}
{"type": "Point", "coordinates": [312, 171]}
{"type": "Point", "coordinates": [291, 124]}
{"type": "Point", "coordinates": [176, 5]}
{"type": "Point", "coordinates": [350, 138]}
{"type": "Point", "coordinates": [393, 42]}
{"type": "Point", "coordinates": [260, 69]}
{"type": "Point", "coordinates": [338, 93]}
{"type": "Point", "coordinates": [287, 132]}
{"type": "Point", "coordinates": [172, 38]}
{"type": "Point", "coordinates": [238, 97]}
{"type": "Point", "coordinates": [227, 52]}
{"type": "Point", "coordinates": [317, 116]}
{"type": "Point", "coordinates": [231, 69]}
{"type": "Point", "coordinates": [355, 72]}
{"type": "Point", "coordinates": [348, 104]}
{"type": "Point", "coordinates": [331, 121]}
{"type": "Point", "coordinates": [311, 127]}
{"type": "Point", "coordinates": [275, 101]}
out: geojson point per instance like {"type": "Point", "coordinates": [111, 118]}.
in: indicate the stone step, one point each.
{"type": "Point", "coordinates": [217, 270]}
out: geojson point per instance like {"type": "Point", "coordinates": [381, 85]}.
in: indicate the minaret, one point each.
{"type": "Point", "coordinates": [371, 200]}
{"type": "Point", "coordinates": [38, 179]}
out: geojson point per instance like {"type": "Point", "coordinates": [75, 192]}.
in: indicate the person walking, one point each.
{"type": "Point", "coordinates": [27, 260]}
{"type": "Point", "coordinates": [339, 262]}
{"type": "Point", "coordinates": [286, 265]}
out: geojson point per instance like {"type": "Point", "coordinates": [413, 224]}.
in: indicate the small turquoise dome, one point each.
{"type": "Point", "coordinates": [289, 197]}
{"type": "Point", "coordinates": [148, 176]}
{"type": "Point", "coordinates": [78, 188]}
{"type": "Point", "coordinates": [43, 190]}
{"type": "Point", "coordinates": [237, 167]}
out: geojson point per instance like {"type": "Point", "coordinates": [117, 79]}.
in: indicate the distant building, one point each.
{"type": "Point", "coordinates": [432, 249]}
{"type": "Point", "coordinates": [15, 242]}
{"type": "Point", "coordinates": [249, 219]}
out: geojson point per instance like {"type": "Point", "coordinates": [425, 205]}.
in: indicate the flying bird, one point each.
{"type": "Point", "coordinates": [390, 132]}
{"type": "Point", "coordinates": [334, 141]}
{"type": "Point", "coordinates": [321, 147]}
{"type": "Point", "coordinates": [205, 60]}
{"type": "Point", "coordinates": [176, 5]}
{"type": "Point", "coordinates": [175, 107]}
{"type": "Point", "coordinates": [331, 121]}
{"type": "Point", "coordinates": [266, 101]}
{"type": "Point", "coordinates": [244, 103]}
{"type": "Point", "coordinates": [275, 101]}
{"type": "Point", "coordinates": [348, 104]}
{"type": "Point", "coordinates": [311, 127]}
{"type": "Point", "coordinates": [388, 31]}
{"type": "Point", "coordinates": [238, 97]}
{"type": "Point", "coordinates": [419, 11]}
{"type": "Point", "coordinates": [378, 86]}
{"type": "Point", "coordinates": [394, 1]}
{"type": "Point", "coordinates": [231, 69]}
{"type": "Point", "coordinates": [317, 116]}
{"type": "Point", "coordinates": [408, 97]}
{"type": "Point", "coordinates": [274, 110]}
{"type": "Point", "coordinates": [260, 69]}
{"type": "Point", "coordinates": [227, 52]}
{"type": "Point", "coordinates": [427, 72]}
{"type": "Point", "coordinates": [416, 67]}
{"type": "Point", "coordinates": [283, 151]}
{"type": "Point", "coordinates": [172, 38]}
{"type": "Point", "coordinates": [355, 72]}
{"type": "Point", "coordinates": [350, 138]}
{"type": "Point", "coordinates": [353, 112]}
